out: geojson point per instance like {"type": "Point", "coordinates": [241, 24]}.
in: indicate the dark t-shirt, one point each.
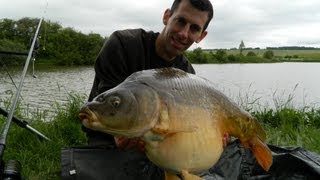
{"type": "Point", "coordinates": [126, 52]}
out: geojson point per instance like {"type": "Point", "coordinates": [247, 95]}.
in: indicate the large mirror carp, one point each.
{"type": "Point", "coordinates": [180, 117]}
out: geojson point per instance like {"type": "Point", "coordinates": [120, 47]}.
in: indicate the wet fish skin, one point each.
{"type": "Point", "coordinates": [180, 116]}
{"type": "Point", "coordinates": [119, 112]}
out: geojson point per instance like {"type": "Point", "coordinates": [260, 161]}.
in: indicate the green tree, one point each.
{"type": "Point", "coordinates": [200, 56]}
{"type": "Point", "coordinates": [232, 58]}
{"type": "Point", "coordinates": [11, 46]}
{"type": "Point", "coordinates": [90, 47]}
{"type": "Point", "coordinates": [251, 53]}
{"type": "Point", "coordinates": [241, 46]}
{"type": "Point", "coordinates": [211, 57]}
{"type": "Point", "coordinates": [7, 29]}
{"type": "Point", "coordinates": [48, 34]}
{"type": "Point", "coordinates": [221, 56]}
{"type": "Point", "coordinates": [197, 56]}
{"type": "Point", "coordinates": [20, 31]}
{"type": "Point", "coordinates": [65, 46]}
{"type": "Point", "coordinates": [268, 54]}
{"type": "Point", "coordinates": [25, 29]}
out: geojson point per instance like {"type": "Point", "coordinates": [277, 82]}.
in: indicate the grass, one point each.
{"type": "Point", "coordinates": [285, 126]}
{"type": "Point", "coordinates": [292, 127]}
{"type": "Point", "coordinates": [40, 159]}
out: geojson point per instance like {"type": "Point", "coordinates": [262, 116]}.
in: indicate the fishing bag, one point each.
{"type": "Point", "coordinates": [236, 163]}
{"type": "Point", "coordinates": [106, 163]}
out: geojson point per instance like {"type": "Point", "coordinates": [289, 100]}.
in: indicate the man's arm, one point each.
{"type": "Point", "coordinates": [110, 66]}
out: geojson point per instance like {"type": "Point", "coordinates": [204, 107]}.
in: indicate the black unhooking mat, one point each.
{"type": "Point", "coordinates": [107, 163]}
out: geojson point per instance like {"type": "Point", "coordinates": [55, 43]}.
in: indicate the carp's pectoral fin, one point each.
{"type": "Point", "coordinates": [168, 132]}
{"type": "Point", "coordinates": [185, 175]}
{"type": "Point", "coordinates": [262, 153]}
{"type": "Point", "coordinates": [163, 125]}
{"type": "Point", "coordinates": [158, 134]}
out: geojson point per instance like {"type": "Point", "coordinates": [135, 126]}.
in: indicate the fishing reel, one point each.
{"type": "Point", "coordinates": [11, 170]}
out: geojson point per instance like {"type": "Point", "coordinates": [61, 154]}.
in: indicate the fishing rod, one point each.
{"type": "Point", "coordinates": [14, 168]}
{"type": "Point", "coordinates": [24, 124]}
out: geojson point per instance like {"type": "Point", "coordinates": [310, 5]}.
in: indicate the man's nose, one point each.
{"type": "Point", "coordinates": [184, 32]}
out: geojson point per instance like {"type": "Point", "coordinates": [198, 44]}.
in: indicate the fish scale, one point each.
{"type": "Point", "coordinates": [182, 86]}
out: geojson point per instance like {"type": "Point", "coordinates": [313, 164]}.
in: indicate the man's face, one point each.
{"type": "Point", "coordinates": [183, 27]}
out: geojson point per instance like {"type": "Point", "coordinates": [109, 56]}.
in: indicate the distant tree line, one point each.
{"type": "Point", "coordinates": [235, 55]}
{"type": "Point", "coordinates": [292, 48]}
{"type": "Point", "coordinates": [276, 48]}
{"type": "Point", "coordinates": [62, 46]}
{"type": "Point", "coordinates": [200, 56]}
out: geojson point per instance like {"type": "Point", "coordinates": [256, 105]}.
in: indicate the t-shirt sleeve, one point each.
{"type": "Point", "coordinates": [110, 66]}
{"type": "Point", "coordinates": [190, 69]}
{"type": "Point", "coordinates": [185, 65]}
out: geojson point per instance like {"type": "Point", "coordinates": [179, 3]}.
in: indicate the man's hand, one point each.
{"type": "Point", "coordinates": [132, 143]}
{"type": "Point", "coordinates": [137, 143]}
{"type": "Point", "coordinates": [226, 139]}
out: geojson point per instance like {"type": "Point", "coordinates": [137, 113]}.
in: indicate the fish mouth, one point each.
{"type": "Point", "coordinates": [84, 116]}
{"type": "Point", "coordinates": [90, 120]}
{"type": "Point", "coordinates": [87, 116]}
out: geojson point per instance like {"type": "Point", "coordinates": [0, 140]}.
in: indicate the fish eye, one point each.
{"type": "Point", "coordinates": [115, 101]}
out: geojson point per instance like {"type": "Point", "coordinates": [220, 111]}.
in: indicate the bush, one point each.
{"type": "Point", "coordinates": [268, 54]}
{"type": "Point", "coordinates": [221, 56]}
{"type": "Point", "coordinates": [11, 46]}
{"type": "Point", "coordinates": [251, 53]}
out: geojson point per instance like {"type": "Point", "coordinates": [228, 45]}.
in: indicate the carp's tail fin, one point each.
{"type": "Point", "coordinates": [262, 153]}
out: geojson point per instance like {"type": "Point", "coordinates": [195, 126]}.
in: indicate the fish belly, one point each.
{"type": "Point", "coordinates": [191, 151]}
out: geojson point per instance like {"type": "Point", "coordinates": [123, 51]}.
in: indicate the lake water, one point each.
{"type": "Point", "coordinates": [265, 85]}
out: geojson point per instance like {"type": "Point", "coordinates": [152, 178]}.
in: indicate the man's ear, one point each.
{"type": "Point", "coordinates": [203, 35]}
{"type": "Point", "coordinates": [166, 16]}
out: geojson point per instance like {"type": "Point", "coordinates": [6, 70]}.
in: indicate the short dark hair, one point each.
{"type": "Point", "coordinates": [202, 5]}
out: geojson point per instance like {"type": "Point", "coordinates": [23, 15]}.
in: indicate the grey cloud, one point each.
{"type": "Point", "coordinates": [258, 23]}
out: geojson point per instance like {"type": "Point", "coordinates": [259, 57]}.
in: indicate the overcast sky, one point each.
{"type": "Point", "coordinates": [258, 23]}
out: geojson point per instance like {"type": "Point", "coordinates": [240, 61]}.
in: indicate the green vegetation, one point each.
{"type": "Point", "coordinates": [62, 46]}
{"type": "Point", "coordinates": [40, 159]}
{"type": "Point", "coordinates": [285, 126]}
{"type": "Point", "coordinates": [199, 56]}
{"type": "Point", "coordinates": [284, 55]}
{"type": "Point", "coordinates": [268, 54]}
{"type": "Point", "coordinates": [292, 127]}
